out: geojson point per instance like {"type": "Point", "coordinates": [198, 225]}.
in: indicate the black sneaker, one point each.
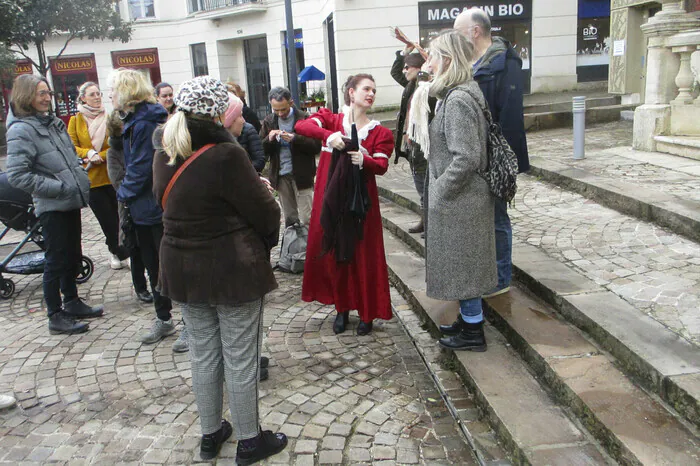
{"type": "Point", "coordinates": [144, 296]}
{"type": "Point", "coordinates": [61, 322]}
{"type": "Point", "coordinates": [78, 309]}
{"type": "Point", "coordinates": [266, 444]}
{"type": "Point", "coordinates": [211, 443]}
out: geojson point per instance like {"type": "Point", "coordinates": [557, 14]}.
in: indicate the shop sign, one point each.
{"type": "Point", "coordinates": [431, 13]}
{"type": "Point", "coordinates": [298, 40]}
{"type": "Point", "coordinates": [136, 59]}
{"type": "Point", "coordinates": [23, 67]}
{"type": "Point", "coordinates": [74, 64]}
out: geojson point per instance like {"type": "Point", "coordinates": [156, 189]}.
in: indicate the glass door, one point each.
{"type": "Point", "coordinates": [258, 75]}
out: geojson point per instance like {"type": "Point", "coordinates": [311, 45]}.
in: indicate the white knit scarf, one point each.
{"type": "Point", "coordinates": [418, 118]}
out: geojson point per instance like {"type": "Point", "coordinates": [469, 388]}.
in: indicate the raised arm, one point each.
{"type": "Point", "coordinates": [316, 126]}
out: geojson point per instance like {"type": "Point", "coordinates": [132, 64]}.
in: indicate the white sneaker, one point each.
{"type": "Point", "coordinates": [7, 401]}
{"type": "Point", "coordinates": [115, 263]}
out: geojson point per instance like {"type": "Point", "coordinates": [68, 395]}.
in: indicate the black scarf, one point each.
{"type": "Point", "coordinates": [345, 204]}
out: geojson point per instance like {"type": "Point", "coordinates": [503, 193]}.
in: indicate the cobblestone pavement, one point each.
{"type": "Point", "coordinates": [620, 163]}
{"type": "Point", "coordinates": [655, 270]}
{"type": "Point", "coordinates": [103, 398]}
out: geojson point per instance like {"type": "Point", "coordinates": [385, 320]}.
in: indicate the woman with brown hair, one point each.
{"type": "Point", "coordinates": [41, 161]}
{"type": "Point", "coordinates": [359, 280]}
{"type": "Point", "coordinates": [249, 114]}
{"type": "Point", "coordinates": [88, 131]}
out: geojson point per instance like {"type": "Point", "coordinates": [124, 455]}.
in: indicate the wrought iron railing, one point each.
{"type": "Point", "coordinates": [194, 6]}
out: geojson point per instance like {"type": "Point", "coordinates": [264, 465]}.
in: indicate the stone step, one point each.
{"type": "Point", "coordinates": [559, 114]}
{"type": "Point", "coordinates": [529, 424]}
{"type": "Point", "coordinates": [684, 146]}
{"type": "Point", "coordinates": [561, 119]}
{"type": "Point", "coordinates": [580, 374]}
{"type": "Point", "coordinates": [654, 356]}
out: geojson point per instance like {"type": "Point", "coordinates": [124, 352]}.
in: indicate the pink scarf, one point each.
{"type": "Point", "coordinates": [96, 119]}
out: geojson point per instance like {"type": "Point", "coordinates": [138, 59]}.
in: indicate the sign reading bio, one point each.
{"type": "Point", "coordinates": [430, 13]}
{"type": "Point", "coordinates": [144, 58]}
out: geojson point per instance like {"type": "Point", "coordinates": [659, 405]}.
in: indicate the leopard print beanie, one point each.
{"type": "Point", "coordinates": [202, 95]}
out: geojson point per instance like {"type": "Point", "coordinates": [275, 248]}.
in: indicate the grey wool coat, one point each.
{"type": "Point", "coordinates": [461, 243]}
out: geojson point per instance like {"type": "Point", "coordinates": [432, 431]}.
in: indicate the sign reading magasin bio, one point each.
{"type": "Point", "coordinates": [439, 13]}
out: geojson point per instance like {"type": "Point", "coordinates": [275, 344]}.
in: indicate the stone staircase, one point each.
{"type": "Point", "coordinates": [574, 374]}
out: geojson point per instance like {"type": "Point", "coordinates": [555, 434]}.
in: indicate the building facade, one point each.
{"type": "Point", "coordinates": [656, 63]}
{"type": "Point", "coordinates": [564, 43]}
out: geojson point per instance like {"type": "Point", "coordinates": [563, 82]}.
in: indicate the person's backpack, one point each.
{"type": "Point", "coordinates": [293, 249]}
{"type": "Point", "coordinates": [502, 170]}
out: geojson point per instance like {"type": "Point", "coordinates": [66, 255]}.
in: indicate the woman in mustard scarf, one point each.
{"type": "Point", "coordinates": [88, 130]}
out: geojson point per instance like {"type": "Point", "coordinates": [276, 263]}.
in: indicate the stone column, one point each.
{"type": "Point", "coordinates": [653, 118]}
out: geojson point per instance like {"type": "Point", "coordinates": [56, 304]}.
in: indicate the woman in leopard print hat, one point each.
{"type": "Point", "coordinates": [220, 223]}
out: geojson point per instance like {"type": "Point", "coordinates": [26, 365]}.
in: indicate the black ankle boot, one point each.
{"type": "Point", "coordinates": [341, 321]}
{"type": "Point", "coordinates": [61, 322]}
{"type": "Point", "coordinates": [364, 328]}
{"type": "Point", "coordinates": [211, 443]}
{"type": "Point", "coordinates": [470, 338]}
{"type": "Point", "coordinates": [78, 309]}
{"type": "Point", "coordinates": [454, 328]}
{"type": "Point", "coordinates": [263, 446]}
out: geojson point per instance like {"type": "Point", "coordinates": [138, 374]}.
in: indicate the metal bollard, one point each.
{"type": "Point", "coordinates": [579, 111]}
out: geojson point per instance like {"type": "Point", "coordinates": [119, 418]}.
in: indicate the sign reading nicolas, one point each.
{"type": "Point", "coordinates": [144, 58]}
{"type": "Point", "coordinates": [444, 13]}
{"type": "Point", "coordinates": [23, 67]}
{"type": "Point", "coordinates": [72, 64]}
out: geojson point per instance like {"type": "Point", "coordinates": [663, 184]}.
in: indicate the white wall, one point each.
{"type": "Point", "coordinates": [554, 27]}
{"type": "Point", "coordinates": [363, 41]}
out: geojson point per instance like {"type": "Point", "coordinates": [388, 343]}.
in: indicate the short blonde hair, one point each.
{"type": "Point", "coordinates": [24, 92]}
{"type": "Point", "coordinates": [452, 45]}
{"type": "Point", "coordinates": [131, 88]}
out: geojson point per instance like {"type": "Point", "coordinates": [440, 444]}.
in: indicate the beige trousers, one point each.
{"type": "Point", "coordinates": [296, 203]}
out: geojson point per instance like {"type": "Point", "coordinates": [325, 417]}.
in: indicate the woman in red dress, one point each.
{"type": "Point", "coordinates": [363, 282]}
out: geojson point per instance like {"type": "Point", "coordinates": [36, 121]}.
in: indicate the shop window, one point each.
{"type": "Point", "coordinates": [593, 40]}
{"type": "Point", "coordinates": [199, 59]}
{"type": "Point", "coordinates": [141, 9]}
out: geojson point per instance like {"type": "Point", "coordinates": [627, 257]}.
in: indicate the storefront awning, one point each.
{"type": "Point", "coordinates": [311, 73]}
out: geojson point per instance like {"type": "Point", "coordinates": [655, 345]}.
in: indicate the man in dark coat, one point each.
{"type": "Point", "coordinates": [405, 71]}
{"type": "Point", "coordinates": [292, 157]}
{"type": "Point", "coordinates": [498, 71]}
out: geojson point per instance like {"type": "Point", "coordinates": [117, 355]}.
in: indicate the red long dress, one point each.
{"type": "Point", "coordinates": [362, 284]}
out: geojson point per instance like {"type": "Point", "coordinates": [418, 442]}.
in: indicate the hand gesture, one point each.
{"type": "Point", "coordinates": [287, 137]}
{"type": "Point", "coordinates": [356, 157]}
{"type": "Point", "coordinates": [272, 135]}
{"type": "Point", "coordinates": [267, 184]}
{"type": "Point", "coordinates": [337, 143]}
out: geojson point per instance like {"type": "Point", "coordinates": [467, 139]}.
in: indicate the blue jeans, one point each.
{"type": "Point", "coordinates": [471, 310]}
{"type": "Point", "coordinates": [504, 244]}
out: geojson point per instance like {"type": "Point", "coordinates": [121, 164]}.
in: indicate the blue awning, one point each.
{"type": "Point", "coordinates": [593, 9]}
{"type": "Point", "coordinates": [311, 73]}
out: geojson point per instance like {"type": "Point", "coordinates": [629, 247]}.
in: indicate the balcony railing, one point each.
{"type": "Point", "coordinates": [195, 6]}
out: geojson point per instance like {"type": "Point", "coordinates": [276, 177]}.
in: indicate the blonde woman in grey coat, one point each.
{"type": "Point", "coordinates": [461, 248]}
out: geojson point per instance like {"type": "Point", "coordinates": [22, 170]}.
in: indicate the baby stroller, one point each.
{"type": "Point", "coordinates": [17, 213]}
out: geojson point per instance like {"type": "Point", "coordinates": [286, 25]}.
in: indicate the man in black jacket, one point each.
{"type": "Point", "coordinates": [292, 157]}
{"type": "Point", "coordinates": [405, 71]}
{"type": "Point", "coordinates": [498, 71]}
